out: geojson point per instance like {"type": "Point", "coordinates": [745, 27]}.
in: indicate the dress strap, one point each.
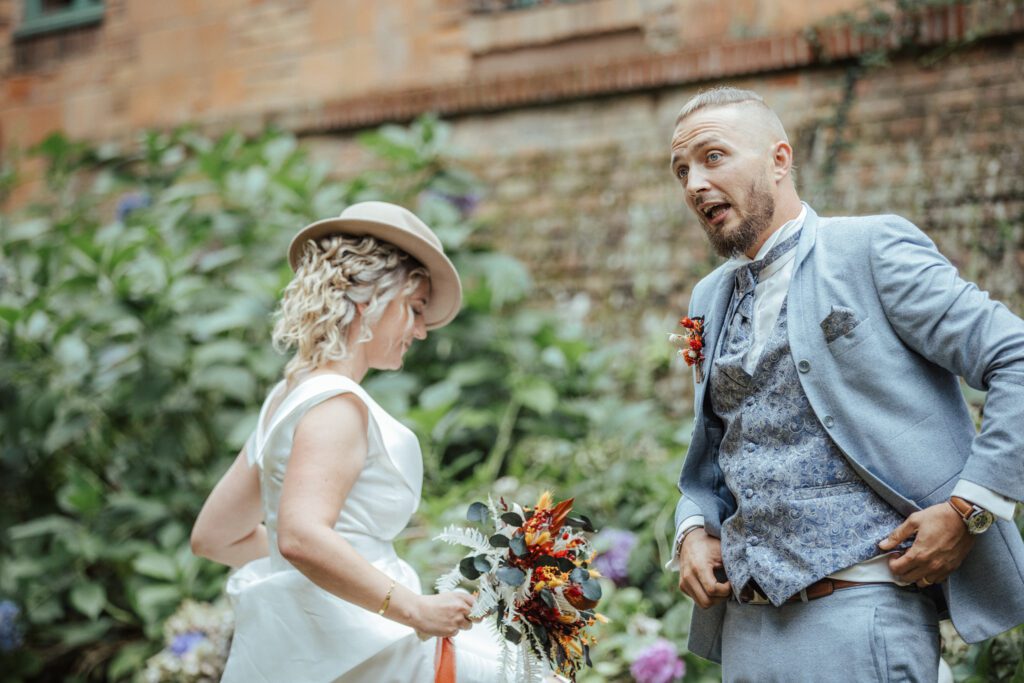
{"type": "Point", "coordinates": [308, 393]}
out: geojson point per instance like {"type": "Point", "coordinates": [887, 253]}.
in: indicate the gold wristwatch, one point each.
{"type": "Point", "coordinates": [977, 518]}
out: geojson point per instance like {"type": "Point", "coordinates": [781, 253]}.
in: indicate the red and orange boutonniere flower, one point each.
{"type": "Point", "coordinates": [691, 344]}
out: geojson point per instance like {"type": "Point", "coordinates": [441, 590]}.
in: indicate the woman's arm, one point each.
{"type": "Point", "coordinates": [229, 529]}
{"type": "Point", "coordinates": [328, 453]}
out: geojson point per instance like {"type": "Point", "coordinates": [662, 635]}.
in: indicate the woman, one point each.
{"type": "Point", "coordinates": [311, 504]}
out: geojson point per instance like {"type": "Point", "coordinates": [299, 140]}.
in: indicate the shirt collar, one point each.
{"type": "Point", "coordinates": [789, 228]}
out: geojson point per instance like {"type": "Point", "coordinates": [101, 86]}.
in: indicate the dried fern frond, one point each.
{"type": "Point", "coordinates": [471, 538]}
{"type": "Point", "coordinates": [448, 581]}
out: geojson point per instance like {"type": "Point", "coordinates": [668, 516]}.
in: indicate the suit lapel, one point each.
{"type": "Point", "coordinates": [714, 326]}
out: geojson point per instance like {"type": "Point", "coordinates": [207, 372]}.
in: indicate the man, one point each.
{"type": "Point", "coordinates": [836, 499]}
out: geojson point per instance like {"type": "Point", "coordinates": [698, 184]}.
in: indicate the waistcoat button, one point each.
{"type": "Point", "coordinates": [803, 366]}
{"type": "Point", "coordinates": [829, 422]}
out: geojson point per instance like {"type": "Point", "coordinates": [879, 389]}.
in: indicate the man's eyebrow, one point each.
{"type": "Point", "coordinates": [697, 145]}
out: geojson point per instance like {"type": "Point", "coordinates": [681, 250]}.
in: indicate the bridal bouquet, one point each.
{"type": "Point", "coordinates": [531, 571]}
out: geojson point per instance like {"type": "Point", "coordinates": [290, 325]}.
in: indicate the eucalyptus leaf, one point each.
{"type": "Point", "coordinates": [477, 512]}
{"type": "Point", "coordinates": [468, 568]}
{"type": "Point", "coordinates": [512, 518]}
{"type": "Point", "coordinates": [591, 589]}
{"type": "Point", "coordinates": [518, 545]}
{"type": "Point", "coordinates": [579, 575]}
{"type": "Point", "coordinates": [512, 576]}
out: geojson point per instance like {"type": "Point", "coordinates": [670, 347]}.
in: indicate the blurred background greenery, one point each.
{"type": "Point", "coordinates": [135, 301]}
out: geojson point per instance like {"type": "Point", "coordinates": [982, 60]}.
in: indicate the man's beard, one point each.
{"type": "Point", "coordinates": [761, 209]}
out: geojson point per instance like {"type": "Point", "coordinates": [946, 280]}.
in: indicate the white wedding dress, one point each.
{"type": "Point", "coordinates": [288, 629]}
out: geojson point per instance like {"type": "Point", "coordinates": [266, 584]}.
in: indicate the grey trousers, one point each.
{"type": "Point", "coordinates": [869, 633]}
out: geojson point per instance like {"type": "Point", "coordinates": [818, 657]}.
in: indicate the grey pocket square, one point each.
{"type": "Point", "coordinates": [840, 321]}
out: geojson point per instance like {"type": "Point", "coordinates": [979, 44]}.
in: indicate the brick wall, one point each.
{"type": "Point", "coordinates": [574, 153]}
{"type": "Point", "coordinates": [244, 62]}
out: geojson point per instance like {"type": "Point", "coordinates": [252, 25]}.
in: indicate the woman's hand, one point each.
{"type": "Point", "coordinates": [443, 615]}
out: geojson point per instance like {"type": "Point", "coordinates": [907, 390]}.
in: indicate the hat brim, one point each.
{"type": "Point", "coordinates": [445, 287]}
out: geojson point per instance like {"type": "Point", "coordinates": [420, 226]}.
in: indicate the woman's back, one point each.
{"type": "Point", "coordinates": [288, 628]}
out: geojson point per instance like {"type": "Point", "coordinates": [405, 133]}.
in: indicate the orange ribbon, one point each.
{"type": "Point", "coordinates": [444, 661]}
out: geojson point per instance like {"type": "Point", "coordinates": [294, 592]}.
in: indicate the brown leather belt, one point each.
{"type": "Point", "coordinates": [751, 593]}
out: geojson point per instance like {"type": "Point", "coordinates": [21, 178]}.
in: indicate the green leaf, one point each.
{"type": "Point", "coordinates": [233, 382]}
{"type": "Point", "coordinates": [156, 565]}
{"type": "Point", "coordinates": [152, 600]}
{"type": "Point", "coordinates": [129, 659]}
{"type": "Point", "coordinates": [537, 395]}
{"type": "Point", "coordinates": [222, 351]}
{"type": "Point", "coordinates": [82, 494]}
{"type": "Point", "coordinates": [439, 395]}
{"type": "Point", "coordinates": [76, 635]}
{"type": "Point", "coordinates": [10, 315]}
{"type": "Point", "coordinates": [51, 524]}
{"type": "Point", "coordinates": [89, 598]}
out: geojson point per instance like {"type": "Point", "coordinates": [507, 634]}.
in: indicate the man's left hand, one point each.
{"type": "Point", "coordinates": [941, 544]}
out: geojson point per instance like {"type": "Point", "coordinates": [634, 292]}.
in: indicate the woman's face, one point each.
{"type": "Point", "coordinates": [394, 332]}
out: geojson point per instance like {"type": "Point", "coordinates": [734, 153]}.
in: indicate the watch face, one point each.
{"type": "Point", "coordinates": [980, 521]}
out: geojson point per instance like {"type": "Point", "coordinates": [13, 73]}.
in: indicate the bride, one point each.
{"type": "Point", "coordinates": [309, 508]}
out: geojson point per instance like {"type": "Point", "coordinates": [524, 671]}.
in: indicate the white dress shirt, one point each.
{"type": "Point", "coordinates": [769, 294]}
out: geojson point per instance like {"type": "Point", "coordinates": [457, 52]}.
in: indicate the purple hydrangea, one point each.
{"type": "Point", "coordinates": [659, 663]}
{"type": "Point", "coordinates": [131, 202]}
{"type": "Point", "coordinates": [183, 643]}
{"type": "Point", "coordinates": [11, 633]}
{"type": "Point", "coordinates": [465, 203]}
{"type": "Point", "coordinates": [614, 562]}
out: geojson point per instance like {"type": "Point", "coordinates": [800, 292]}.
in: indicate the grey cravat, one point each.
{"type": "Point", "coordinates": [741, 327]}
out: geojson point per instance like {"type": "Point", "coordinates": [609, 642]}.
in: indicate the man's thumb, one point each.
{"type": "Point", "coordinates": [898, 535]}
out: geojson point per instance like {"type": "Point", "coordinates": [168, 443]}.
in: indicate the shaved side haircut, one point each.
{"type": "Point", "coordinates": [723, 96]}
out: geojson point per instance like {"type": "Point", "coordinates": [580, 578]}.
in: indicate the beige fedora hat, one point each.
{"type": "Point", "coordinates": [398, 226]}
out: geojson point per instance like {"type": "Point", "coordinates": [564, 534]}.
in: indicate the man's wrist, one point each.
{"type": "Point", "coordinates": [682, 538]}
{"type": "Point", "coordinates": [976, 518]}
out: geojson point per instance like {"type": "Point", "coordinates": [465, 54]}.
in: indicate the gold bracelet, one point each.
{"type": "Point", "coordinates": [387, 600]}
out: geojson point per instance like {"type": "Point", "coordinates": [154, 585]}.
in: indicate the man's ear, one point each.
{"type": "Point", "coordinates": [782, 159]}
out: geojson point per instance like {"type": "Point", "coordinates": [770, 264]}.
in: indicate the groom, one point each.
{"type": "Point", "coordinates": [836, 498]}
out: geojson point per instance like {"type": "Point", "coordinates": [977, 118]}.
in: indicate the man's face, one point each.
{"type": "Point", "coordinates": [725, 166]}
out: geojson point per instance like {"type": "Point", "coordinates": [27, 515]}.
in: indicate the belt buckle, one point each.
{"type": "Point", "coordinates": [752, 596]}
{"type": "Point", "coordinates": [759, 599]}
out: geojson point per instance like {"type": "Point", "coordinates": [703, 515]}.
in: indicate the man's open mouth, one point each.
{"type": "Point", "coordinates": [714, 212]}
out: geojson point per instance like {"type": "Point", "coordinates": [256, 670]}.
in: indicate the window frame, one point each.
{"type": "Point", "coordinates": [35, 22]}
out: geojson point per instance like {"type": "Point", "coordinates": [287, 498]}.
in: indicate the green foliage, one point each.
{"type": "Point", "coordinates": [135, 312]}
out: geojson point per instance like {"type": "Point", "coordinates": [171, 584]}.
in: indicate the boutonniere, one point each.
{"type": "Point", "coordinates": [691, 344]}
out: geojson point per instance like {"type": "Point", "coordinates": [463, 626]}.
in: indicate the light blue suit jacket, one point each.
{"type": "Point", "coordinates": [889, 394]}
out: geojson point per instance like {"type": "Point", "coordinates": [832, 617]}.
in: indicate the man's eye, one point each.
{"type": "Point", "coordinates": [714, 156]}
{"type": "Point", "coordinates": [681, 172]}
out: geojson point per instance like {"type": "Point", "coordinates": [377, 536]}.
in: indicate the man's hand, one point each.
{"type": "Point", "coordinates": [699, 556]}
{"type": "Point", "coordinates": [941, 545]}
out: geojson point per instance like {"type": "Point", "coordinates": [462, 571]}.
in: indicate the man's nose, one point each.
{"type": "Point", "coordinates": [696, 182]}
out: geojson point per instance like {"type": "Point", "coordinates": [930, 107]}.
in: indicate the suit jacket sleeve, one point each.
{"type": "Point", "coordinates": [954, 324]}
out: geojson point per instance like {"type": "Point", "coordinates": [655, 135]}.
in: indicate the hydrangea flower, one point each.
{"type": "Point", "coordinates": [614, 562]}
{"type": "Point", "coordinates": [659, 663]}
{"type": "Point", "coordinates": [183, 643]}
{"type": "Point", "coordinates": [131, 202]}
{"type": "Point", "coordinates": [11, 633]}
{"type": "Point", "coordinates": [198, 636]}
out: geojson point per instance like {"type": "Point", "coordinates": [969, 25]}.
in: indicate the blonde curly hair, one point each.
{"type": "Point", "coordinates": [335, 275]}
